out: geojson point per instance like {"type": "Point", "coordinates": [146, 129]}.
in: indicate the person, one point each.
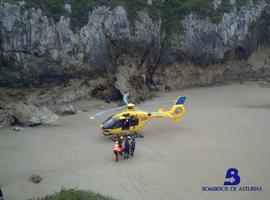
{"type": "Point", "coordinates": [116, 150]}
{"type": "Point", "coordinates": [120, 143]}
{"type": "Point", "coordinates": [127, 148]}
{"type": "Point", "coordinates": [132, 146]}
{"type": "Point", "coordinates": [120, 140]}
{"type": "Point", "coordinates": [126, 124]}
{"type": "Point", "coordinates": [1, 194]}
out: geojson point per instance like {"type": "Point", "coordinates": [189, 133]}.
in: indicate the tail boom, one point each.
{"type": "Point", "coordinates": [175, 113]}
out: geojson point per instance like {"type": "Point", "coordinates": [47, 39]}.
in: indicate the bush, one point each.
{"type": "Point", "coordinates": [74, 194]}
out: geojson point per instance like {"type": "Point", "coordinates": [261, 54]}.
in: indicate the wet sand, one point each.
{"type": "Point", "coordinates": [224, 127]}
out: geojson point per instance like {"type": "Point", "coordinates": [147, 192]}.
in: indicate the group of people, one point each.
{"type": "Point", "coordinates": [125, 148]}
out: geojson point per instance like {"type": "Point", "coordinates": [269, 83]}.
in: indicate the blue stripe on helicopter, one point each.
{"type": "Point", "coordinates": [181, 100]}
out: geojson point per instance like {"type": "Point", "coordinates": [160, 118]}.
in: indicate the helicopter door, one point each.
{"type": "Point", "coordinates": [125, 125]}
{"type": "Point", "coordinates": [130, 123]}
{"type": "Point", "coordinates": [134, 122]}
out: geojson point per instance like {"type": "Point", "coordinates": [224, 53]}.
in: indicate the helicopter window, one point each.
{"type": "Point", "coordinates": [126, 115]}
{"type": "Point", "coordinates": [117, 124]}
{"type": "Point", "coordinates": [109, 118]}
{"type": "Point", "coordinates": [134, 122]}
{"type": "Point", "coordinates": [111, 123]}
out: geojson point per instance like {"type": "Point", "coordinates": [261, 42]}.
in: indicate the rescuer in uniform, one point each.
{"type": "Point", "coordinates": [126, 149]}
{"type": "Point", "coordinates": [132, 146]}
{"type": "Point", "coordinates": [116, 149]}
{"type": "Point", "coordinates": [120, 140]}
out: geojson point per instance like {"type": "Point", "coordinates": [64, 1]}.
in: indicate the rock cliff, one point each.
{"type": "Point", "coordinates": [113, 54]}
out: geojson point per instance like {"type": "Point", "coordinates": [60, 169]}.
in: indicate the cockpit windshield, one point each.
{"type": "Point", "coordinates": [112, 123]}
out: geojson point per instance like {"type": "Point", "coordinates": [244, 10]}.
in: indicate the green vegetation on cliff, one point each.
{"type": "Point", "coordinates": [73, 194]}
{"type": "Point", "coordinates": [169, 10]}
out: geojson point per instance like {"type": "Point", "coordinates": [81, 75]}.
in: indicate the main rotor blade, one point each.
{"type": "Point", "coordinates": [107, 110]}
{"type": "Point", "coordinates": [154, 103]}
{"type": "Point", "coordinates": [125, 99]}
{"type": "Point", "coordinates": [158, 102]}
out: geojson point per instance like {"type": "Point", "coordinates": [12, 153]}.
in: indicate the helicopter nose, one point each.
{"type": "Point", "coordinates": [103, 129]}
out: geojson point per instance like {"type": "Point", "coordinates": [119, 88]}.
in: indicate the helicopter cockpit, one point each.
{"type": "Point", "coordinates": [112, 123]}
{"type": "Point", "coordinates": [125, 124]}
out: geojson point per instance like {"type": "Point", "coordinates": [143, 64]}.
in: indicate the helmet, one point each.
{"type": "Point", "coordinates": [116, 142]}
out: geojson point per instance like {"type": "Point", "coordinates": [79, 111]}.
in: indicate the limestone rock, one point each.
{"type": "Point", "coordinates": [35, 179]}
{"type": "Point", "coordinates": [66, 110]}
{"type": "Point", "coordinates": [128, 55]}
{"type": "Point", "coordinates": [17, 128]}
{"type": "Point", "coordinates": [6, 116]}
{"type": "Point", "coordinates": [30, 115]}
{"type": "Point", "coordinates": [206, 42]}
{"type": "Point", "coordinates": [131, 82]}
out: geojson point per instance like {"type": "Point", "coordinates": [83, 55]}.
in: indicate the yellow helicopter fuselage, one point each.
{"type": "Point", "coordinates": [132, 120]}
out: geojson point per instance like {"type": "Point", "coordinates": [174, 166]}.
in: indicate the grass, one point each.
{"type": "Point", "coordinates": [74, 194]}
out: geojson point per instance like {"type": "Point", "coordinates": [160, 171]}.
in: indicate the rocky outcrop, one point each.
{"type": "Point", "coordinates": [66, 110]}
{"type": "Point", "coordinates": [113, 54]}
{"type": "Point", "coordinates": [179, 75]}
{"type": "Point", "coordinates": [6, 116]}
{"type": "Point", "coordinates": [31, 115]}
{"type": "Point", "coordinates": [130, 81]}
{"type": "Point", "coordinates": [207, 43]}
{"type": "Point", "coordinates": [235, 49]}
{"type": "Point", "coordinates": [36, 50]}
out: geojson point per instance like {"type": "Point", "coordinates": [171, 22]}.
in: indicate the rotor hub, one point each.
{"type": "Point", "coordinates": [130, 105]}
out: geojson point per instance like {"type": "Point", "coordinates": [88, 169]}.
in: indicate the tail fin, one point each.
{"type": "Point", "coordinates": [178, 109]}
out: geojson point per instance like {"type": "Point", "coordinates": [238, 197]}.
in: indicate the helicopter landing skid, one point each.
{"type": "Point", "coordinates": [139, 136]}
{"type": "Point", "coordinates": [134, 135]}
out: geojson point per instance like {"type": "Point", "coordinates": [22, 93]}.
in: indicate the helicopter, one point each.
{"type": "Point", "coordinates": [131, 120]}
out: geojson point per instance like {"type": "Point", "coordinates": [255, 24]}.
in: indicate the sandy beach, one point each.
{"type": "Point", "coordinates": [225, 126]}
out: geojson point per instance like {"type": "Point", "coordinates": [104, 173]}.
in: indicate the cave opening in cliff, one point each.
{"type": "Point", "coordinates": [107, 92]}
